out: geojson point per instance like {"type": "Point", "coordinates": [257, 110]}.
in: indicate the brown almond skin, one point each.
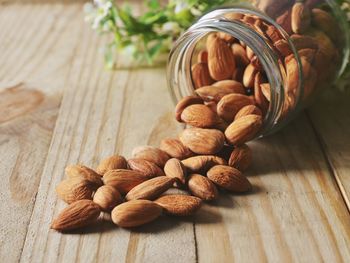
{"type": "Point", "coordinates": [243, 129]}
{"type": "Point", "coordinates": [199, 115]}
{"type": "Point", "coordinates": [301, 18]}
{"type": "Point", "coordinates": [175, 149]}
{"type": "Point", "coordinates": [200, 75]}
{"type": "Point", "coordinates": [221, 61]}
{"type": "Point", "coordinates": [249, 76]}
{"type": "Point", "coordinates": [135, 213]}
{"type": "Point", "coordinates": [74, 189]}
{"type": "Point", "coordinates": [260, 99]}
{"type": "Point", "coordinates": [124, 180]}
{"type": "Point", "coordinates": [151, 154]}
{"type": "Point", "coordinates": [202, 162]}
{"type": "Point", "coordinates": [241, 157]}
{"type": "Point", "coordinates": [83, 172]}
{"type": "Point", "coordinates": [229, 178]}
{"type": "Point", "coordinates": [248, 110]}
{"type": "Point", "coordinates": [266, 91]}
{"type": "Point", "coordinates": [179, 205]}
{"type": "Point", "coordinates": [325, 22]}
{"type": "Point", "coordinates": [176, 170]}
{"type": "Point", "coordinates": [220, 89]}
{"type": "Point", "coordinates": [111, 163]}
{"type": "Point", "coordinates": [230, 104]}
{"type": "Point", "coordinates": [107, 197]}
{"type": "Point", "coordinates": [184, 103]}
{"type": "Point", "coordinates": [145, 167]}
{"type": "Point", "coordinates": [150, 189]}
{"type": "Point", "coordinates": [202, 187]}
{"type": "Point", "coordinates": [76, 215]}
{"type": "Point", "coordinates": [202, 141]}
{"type": "Point", "coordinates": [202, 56]}
{"type": "Point", "coordinates": [240, 54]}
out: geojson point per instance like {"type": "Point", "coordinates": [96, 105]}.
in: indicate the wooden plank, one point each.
{"type": "Point", "coordinates": [295, 214]}
{"type": "Point", "coordinates": [330, 117]}
{"type": "Point", "coordinates": [30, 95]}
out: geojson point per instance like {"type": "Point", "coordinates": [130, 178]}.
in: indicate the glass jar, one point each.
{"type": "Point", "coordinates": [284, 53]}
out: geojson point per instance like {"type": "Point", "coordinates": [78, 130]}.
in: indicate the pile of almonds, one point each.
{"type": "Point", "coordinates": [136, 191]}
{"type": "Point", "coordinates": [231, 99]}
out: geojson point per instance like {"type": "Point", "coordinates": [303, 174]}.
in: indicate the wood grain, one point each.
{"type": "Point", "coordinates": [330, 118]}
{"type": "Point", "coordinates": [58, 106]}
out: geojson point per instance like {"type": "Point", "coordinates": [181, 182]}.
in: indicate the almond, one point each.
{"type": "Point", "coordinates": [151, 154]}
{"type": "Point", "coordinates": [124, 180]}
{"type": "Point", "coordinates": [301, 18]}
{"type": "Point", "coordinates": [248, 110]}
{"type": "Point", "coordinates": [174, 148]}
{"type": "Point", "coordinates": [219, 90]}
{"type": "Point", "coordinates": [273, 33]}
{"type": "Point", "coordinates": [107, 197]}
{"type": "Point", "coordinates": [221, 61]}
{"type": "Point", "coordinates": [229, 178]}
{"type": "Point", "coordinates": [243, 129]}
{"type": "Point", "coordinates": [303, 41]}
{"type": "Point", "coordinates": [241, 157]}
{"type": "Point", "coordinates": [200, 75]}
{"type": "Point", "coordinates": [199, 115]}
{"type": "Point", "coordinates": [226, 37]}
{"type": "Point", "coordinates": [202, 56]}
{"type": "Point", "coordinates": [203, 141]}
{"type": "Point", "coordinates": [249, 75]}
{"type": "Point", "coordinates": [230, 104]}
{"type": "Point", "coordinates": [74, 189]}
{"type": "Point", "coordinates": [135, 213]}
{"type": "Point", "coordinates": [202, 187]}
{"type": "Point", "coordinates": [184, 103]}
{"type": "Point", "coordinates": [175, 169]}
{"type": "Point", "coordinates": [150, 189]}
{"type": "Point", "coordinates": [266, 91]}
{"type": "Point", "coordinates": [249, 52]}
{"type": "Point", "coordinates": [76, 215]}
{"type": "Point", "coordinates": [260, 99]}
{"type": "Point", "coordinates": [179, 205]}
{"type": "Point", "coordinates": [237, 75]}
{"type": "Point", "coordinates": [83, 172]}
{"type": "Point", "coordinates": [292, 70]}
{"type": "Point", "coordinates": [283, 47]}
{"type": "Point", "coordinates": [308, 53]}
{"type": "Point", "coordinates": [111, 163]}
{"type": "Point", "coordinates": [202, 162]}
{"type": "Point", "coordinates": [145, 167]}
{"type": "Point", "coordinates": [325, 22]}
{"type": "Point", "coordinates": [230, 85]}
{"type": "Point", "coordinates": [240, 55]}
{"type": "Point", "coordinates": [233, 16]}
{"type": "Point", "coordinates": [285, 21]}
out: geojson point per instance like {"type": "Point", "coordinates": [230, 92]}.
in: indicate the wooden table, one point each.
{"type": "Point", "coordinates": [59, 106]}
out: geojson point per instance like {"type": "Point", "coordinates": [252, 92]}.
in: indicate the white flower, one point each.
{"type": "Point", "coordinates": [196, 12]}
{"type": "Point", "coordinates": [180, 6]}
{"type": "Point", "coordinates": [171, 27]}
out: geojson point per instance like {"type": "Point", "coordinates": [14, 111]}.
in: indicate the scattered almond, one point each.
{"type": "Point", "coordinates": [202, 187]}
{"type": "Point", "coordinates": [124, 180]}
{"type": "Point", "coordinates": [151, 154]}
{"type": "Point", "coordinates": [174, 148]}
{"type": "Point", "coordinates": [202, 141]}
{"type": "Point", "coordinates": [243, 129]}
{"type": "Point", "coordinates": [76, 215]}
{"type": "Point", "coordinates": [241, 157]}
{"type": "Point", "coordinates": [74, 189]}
{"type": "Point", "coordinates": [111, 163]}
{"type": "Point", "coordinates": [229, 178]}
{"type": "Point", "coordinates": [83, 172]}
{"type": "Point", "coordinates": [145, 167]}
{"type": "Point", "coordinates": [179, 205]}
{"type": "Point", "coordinates": [107, 197]}
{"type": "Point", "coordinates": [202, 162]}
{"type": "Point", "coordinates": [301, 18]}
{"type": "Point", "coordinates": [200, 75]}
{"type": "Point", "coordinates": [150, 189]}
{"type": "Point", "coordinates": [175, 169]}
{"type": "Point", "coordinates": [135, 213]}
{"type": "Point", "coordinates": [199, 115]}
{"type": "Point", "coordinates": [184, 103]}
